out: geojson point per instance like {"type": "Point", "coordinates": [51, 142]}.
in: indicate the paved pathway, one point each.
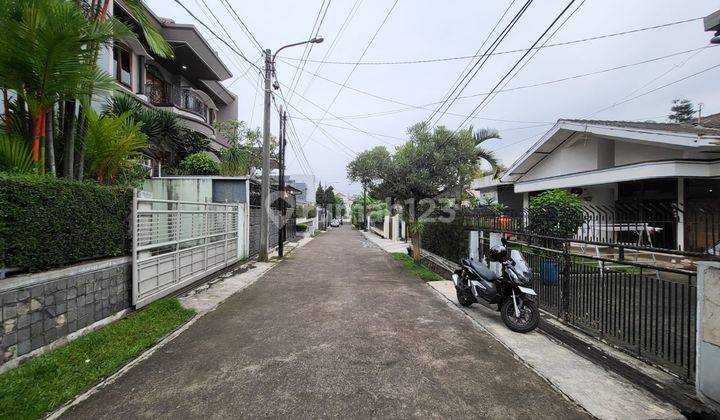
{"type": "Point", "coordinates": [337, 330]}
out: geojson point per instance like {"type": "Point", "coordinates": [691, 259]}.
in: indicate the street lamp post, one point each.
{"type": "Point", "coordinates": [265, 187]}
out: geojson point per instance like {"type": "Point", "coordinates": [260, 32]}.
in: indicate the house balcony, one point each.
{"type": "Point", "coordinates": [189, 104]}
{"type": "Point", "coordinates": [185, 99]}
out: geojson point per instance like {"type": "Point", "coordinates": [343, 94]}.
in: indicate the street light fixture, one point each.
{"type": "Point", "coordinates": [265, 187]}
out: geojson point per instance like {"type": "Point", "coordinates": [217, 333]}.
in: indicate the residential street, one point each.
{"type": "Point", "coordinates": [337, 330]}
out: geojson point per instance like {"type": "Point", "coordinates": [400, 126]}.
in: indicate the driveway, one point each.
{"type": "Point", "coordinates": [337, 330]}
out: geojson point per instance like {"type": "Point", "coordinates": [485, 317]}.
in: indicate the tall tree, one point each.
{"type": "Point", "coordinates": [367, 168]}
{"type": "Point", "coordinates": [329, 200]}
{"type": "Point", "coordinates": [682, 111]}
{"type": "Point", "coordinates": [432, 164]}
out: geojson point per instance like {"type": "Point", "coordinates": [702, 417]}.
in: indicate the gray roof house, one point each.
{"type": "Point", "coordinates": [653, 168]}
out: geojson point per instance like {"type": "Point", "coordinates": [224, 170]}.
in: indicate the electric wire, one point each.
{"type": "Point", "coordinates": [228, 6]}
{"type": "Point", "coordinates": [216, 35]}
{"type": "Point", "coordinates": [365, 50]}
{"type": "Point", "coordinates": [534, 53]}
{"type": "Point", "coordinates": [466, 57]}
{"type": "Point", "coordinates": [518, 62]}
{"type": "Point", "coordinates": [410, 107]}
{"type": "Point", "coordinates": [309, 47]}
{"type": "Point", "coordinates": [465, 75]}
{"type": "Point", "coordinates": [336, 38]}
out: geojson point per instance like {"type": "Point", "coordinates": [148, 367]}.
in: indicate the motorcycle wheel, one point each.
{"type": "Point", "coordinates": [529, 316]}
{"type": "Point", "coordinates": [463, 298]}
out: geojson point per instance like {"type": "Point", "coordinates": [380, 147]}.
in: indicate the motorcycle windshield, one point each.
{"type": "Point", "coordinates": [520, 265]}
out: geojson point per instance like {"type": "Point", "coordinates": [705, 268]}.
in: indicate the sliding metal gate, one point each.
{"type": "Point", "coordinates": [178, 242]}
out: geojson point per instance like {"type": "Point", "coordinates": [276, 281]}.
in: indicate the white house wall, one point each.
{"type": "Point", "coordinates": [626, 153]}
{"type": "Point", "coordinates": [575, 155]}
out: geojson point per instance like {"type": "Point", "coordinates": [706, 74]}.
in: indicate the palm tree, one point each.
{"type": "Point", "coordinates": [111, 141]}
{"type": "Point", "coordinates": [483, 135]}
{"type": "Point", "coordinates": [45, 59]}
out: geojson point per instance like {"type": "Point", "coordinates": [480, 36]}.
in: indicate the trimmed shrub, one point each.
{"type": "Point", "coordinates": [47, 223]}
{"type": "Point", "coordinates": [556, 213]}
{"type": "Point", "coordinates": [199, 164]}
{"type": "Point", "coordinates": [301, 227]}
{"type": "Point", "coordinates": [448, 240]}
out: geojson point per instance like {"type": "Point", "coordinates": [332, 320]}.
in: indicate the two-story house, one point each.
{"type": "Point", "coordinates": [188, 84]}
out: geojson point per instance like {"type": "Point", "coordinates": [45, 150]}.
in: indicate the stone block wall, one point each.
{"type": "Point", "coordinates": [38, 309]}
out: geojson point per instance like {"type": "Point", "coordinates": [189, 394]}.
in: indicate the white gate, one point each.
{"type": "Point", "coordinates": [178, 242]}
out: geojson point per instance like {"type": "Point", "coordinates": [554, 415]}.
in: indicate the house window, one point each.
{"type": "Point", "coordinates": [122, 60]}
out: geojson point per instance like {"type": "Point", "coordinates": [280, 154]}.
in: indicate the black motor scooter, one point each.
{"type": "Point", "coordinates": [511, 291]}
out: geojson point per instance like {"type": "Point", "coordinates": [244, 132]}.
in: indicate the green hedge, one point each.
{"type": "Point", "coordinates": [448, 240]}
{"type": "Point", "coordinates": [301, 227]}
{"type": "Point", "coordinates": [47, 223]}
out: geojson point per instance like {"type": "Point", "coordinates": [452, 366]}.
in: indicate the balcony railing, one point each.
{"type": "Point", "coordinates": [179, 97]}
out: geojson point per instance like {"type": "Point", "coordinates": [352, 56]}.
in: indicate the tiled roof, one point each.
{"type": "Point", "coordinates": [655, 126]}
{"type": "Point", "coordinates": [711, 121]}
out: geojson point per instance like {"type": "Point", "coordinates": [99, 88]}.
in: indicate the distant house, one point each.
{"type": "Point", "coordinates": [307, 184]}
{"type": "Point", "coordinates": [656, 167]}
{"type": "Point", "coordinates": [490, 189]}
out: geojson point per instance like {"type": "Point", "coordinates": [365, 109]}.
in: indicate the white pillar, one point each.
{"type": "Point", "coordinates": [474, 244]}
{"type": "Point", "coordinates": [681, 216]}
{"type": "Point", "coordinates": [707, 376]}
{"type": "Point", "coordinates": [496, 240]}
{"type": "Point", "coordinates": [395, 235]}
{"type": "Point", "coordinates": [386, 227]}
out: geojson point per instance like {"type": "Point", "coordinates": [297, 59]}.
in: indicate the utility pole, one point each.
{"type": "Point", "coordinates": [281, 229]}
{"type": "Point", "coordinates": [265, 185]}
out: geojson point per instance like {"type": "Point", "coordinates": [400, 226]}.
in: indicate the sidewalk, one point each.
{"type": "Point", "coordinates": [603, 394]}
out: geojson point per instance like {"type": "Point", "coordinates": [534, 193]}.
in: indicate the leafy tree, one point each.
{"type": "Point", "coordinates": [368, 167]}
{"type": "Point", "coordinates": [431, 164]}
{"type": "Point", "coordinates": [199, 164]}
{"type": "Point", "coordinates": [682, 111]}
{"type": "Point", "coordinates": [556, 213]}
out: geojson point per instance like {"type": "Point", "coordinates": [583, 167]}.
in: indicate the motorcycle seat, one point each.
{"type": "Point", "coordinates": [481, 270]}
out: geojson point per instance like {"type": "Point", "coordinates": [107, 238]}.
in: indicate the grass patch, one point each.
{"type": "Point", "coordinates": [421, 271]}
{"type": "Point", "coordinates": [50, 380]}
{"type": "Point", "coordinates": [316, 233]}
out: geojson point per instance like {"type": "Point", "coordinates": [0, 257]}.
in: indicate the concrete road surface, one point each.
{"type": "Point", "coordinates": [337, 330]}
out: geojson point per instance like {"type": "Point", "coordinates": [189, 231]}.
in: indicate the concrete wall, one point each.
{"type": "Point", "coordinates": [38, 309]}
{"type": "Point", "coordinates": [194, 189]}
{"type": "Point", "coordinates": [707, 380]}
{"type": "Point", "coordinates": [201, 189]}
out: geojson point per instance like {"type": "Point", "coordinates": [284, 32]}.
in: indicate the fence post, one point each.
{"type": "Point", "coordinates": [496, 240]}
{"type": "Point", "coordinates": [565, 286]}
{"type": "Point", "coordinates": [707, 378]}
{"type": "Point", "coordinates": [474, 245]}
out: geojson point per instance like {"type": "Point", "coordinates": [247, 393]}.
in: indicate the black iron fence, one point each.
{"type": "Point", "coordinates": [657, 227]}
{"type": "Point", "coordinates": [648, 311]}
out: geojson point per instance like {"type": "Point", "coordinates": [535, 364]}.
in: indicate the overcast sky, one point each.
{"type": "Point", "coordinates": [424, 29]}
